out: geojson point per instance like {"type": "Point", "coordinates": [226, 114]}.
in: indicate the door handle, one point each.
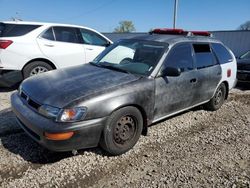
{"type": "Point", "coordinates": [89, 49]}
{"type": "Point", "coordinates": [49, 45]}
{"type": "Point", "coordinates": [194, 80]}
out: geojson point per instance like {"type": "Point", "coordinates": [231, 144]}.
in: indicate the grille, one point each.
{"type": "Point", "coordinates": [30, 102]}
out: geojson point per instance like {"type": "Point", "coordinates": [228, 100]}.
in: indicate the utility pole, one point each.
{"type": "Point", "coordinates": [175, 12]}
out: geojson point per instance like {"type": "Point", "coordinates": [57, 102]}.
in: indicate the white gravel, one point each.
{"type": "Point", "coordinates": [194, 149]}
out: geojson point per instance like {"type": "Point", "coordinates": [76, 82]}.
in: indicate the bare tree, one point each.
{"type": "Point", "coordinates": [125, 27]}
{"type": "Point", "coordinates": [245, 26]}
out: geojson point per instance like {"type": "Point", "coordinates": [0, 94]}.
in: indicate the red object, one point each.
{"type": "Point", "coordinates": [201, 33]}
{"type": "Point", "coordinates": [5, 43]}
{"type": "Point", "coordinates": [229, 73]}
{"type": "Point", "coordinates": [169, 31]}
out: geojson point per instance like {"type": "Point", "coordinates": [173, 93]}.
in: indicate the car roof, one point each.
{"type": "Point", "coordinates": [43, 23]}
{"type": "Point", "coordinates": [173, 39]}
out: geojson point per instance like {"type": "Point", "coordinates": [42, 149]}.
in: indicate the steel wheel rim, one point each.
{"type": "Point", "coordinates": [218, 97]}
{"type": "Point", "coordinates": [38, 70]}
{"type": "Point", "coordinates": [124, 130]}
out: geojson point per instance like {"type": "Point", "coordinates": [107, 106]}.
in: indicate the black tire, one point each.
{"type": "Point", "coordinates": [38, 66]}
{"type": "Point", "coordinates": [122, 130]}
{"type": "Point", "coordinates": [218, 99]}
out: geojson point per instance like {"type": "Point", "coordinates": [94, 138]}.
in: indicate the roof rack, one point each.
{"type": "Point", "coordinates": [180, 32]}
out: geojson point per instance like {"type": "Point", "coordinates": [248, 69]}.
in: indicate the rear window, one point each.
{"type": "Point", "coordinates": [203, 55]}
{"type": "Point", "coordinates": [14, 30]}
{"type": "Point", "coordinates": [222, 53]}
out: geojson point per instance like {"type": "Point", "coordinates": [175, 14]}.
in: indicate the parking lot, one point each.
{"type": "Point", "coordinates": [196, 148]}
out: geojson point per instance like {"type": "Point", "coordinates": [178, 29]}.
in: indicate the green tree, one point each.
{"type": "Point", "coordinates": [245, 26]}
{"type": "Point", "coordinates": [125, 27]}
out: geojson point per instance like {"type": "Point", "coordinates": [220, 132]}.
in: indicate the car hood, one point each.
{"type": "Point", "coordinates": [61, 87]}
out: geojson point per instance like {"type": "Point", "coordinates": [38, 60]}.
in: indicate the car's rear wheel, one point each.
{"type": "Point", "coordinates": [36, 67]}
{"type": "Point", "coordinates": [218, 99]}
{"type": "Point", "coordinates": [122, 130]}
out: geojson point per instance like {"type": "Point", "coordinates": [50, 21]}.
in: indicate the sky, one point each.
{"type": "Point", "coordinates": [105, 15]}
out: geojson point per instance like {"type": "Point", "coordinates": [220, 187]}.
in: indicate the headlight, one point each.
{"type": "Point", "coordinates": [73, 114]}
{"type": "Point", "coordinates": [49, 111]}
{"type": "Point", "coordinates": [63, 115]}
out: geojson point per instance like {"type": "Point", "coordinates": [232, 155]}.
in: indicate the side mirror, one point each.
{"type": "Point", "coordinates": [171, 71]}
{"type": "Point", "coordinates": [107, 44]}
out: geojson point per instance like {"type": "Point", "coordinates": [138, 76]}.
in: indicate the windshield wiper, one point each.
{"type": "Point", "coordinates": [95, 64]}
{"type": "Point", "coordinates": [114, 68]}
{"type": "Point", "coordinates": [109, 66]}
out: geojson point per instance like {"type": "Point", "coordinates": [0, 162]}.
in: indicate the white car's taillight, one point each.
{"type": "Point", "coordinates": [5, 43]}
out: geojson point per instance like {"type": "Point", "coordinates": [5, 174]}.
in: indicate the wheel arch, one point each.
{"type": "Point", "coordinates": [143, 113]}
{"type": "Point", "coordinates": [40, 59]}
{"type": "Point", "coordinates": [227, 88]}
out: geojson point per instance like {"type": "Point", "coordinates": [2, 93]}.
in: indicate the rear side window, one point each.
{"type": "Point", "coordinates": [15, 30]}
{"type": "Point", "coordinates": [66, 34]}
{"type": "Point", "coordinates": [203, 56]}
{"type": "Point", "coordinates": [92, 38]}
{"type": "Point", "coordinates": [180, 57]}
{"type": "Point", "coordinates": [49, 34]}
{"type": "Point", "coordinates": [222, 53]}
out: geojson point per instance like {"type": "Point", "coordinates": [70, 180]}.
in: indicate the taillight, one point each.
{"type": "Point", "coordinates": [5, 43]}
{"type": "Point", "coordinates": [229, 73]}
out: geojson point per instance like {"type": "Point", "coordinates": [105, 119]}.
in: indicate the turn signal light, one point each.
{"type": "Point", "coordinates": [58, 136]}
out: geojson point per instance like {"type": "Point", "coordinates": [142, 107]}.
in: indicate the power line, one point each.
{"type": "Point", "coordinates": [93, 10]}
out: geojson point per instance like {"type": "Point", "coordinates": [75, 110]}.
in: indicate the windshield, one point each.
{"type": "Point", "coordinates": [132, 56]}
{"type": "Point", "coordinates": [245, 55]}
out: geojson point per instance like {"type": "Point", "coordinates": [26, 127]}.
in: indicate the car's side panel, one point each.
{"type": "Point", "coordinates": [139, 93]}
{"type": "Point", "coordinates": [174, 93]}
{"type": "Point", "coordinates": [21, 51]}
{"type": "Point", "coordinates": [207, 82]}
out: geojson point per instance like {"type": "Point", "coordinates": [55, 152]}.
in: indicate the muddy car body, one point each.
{"type": "Point", "coordinates": [132, 84]}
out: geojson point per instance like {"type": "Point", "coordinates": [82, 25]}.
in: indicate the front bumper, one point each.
{"type": "Point", "coordinates": [86, 133]}
{"type": "Point", "coordinates": [9, 78]}
{"type": "Point", "coordinates": [243, 75]}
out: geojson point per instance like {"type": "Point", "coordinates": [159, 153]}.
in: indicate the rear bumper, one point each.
{"type": "Point", "coordinates": [9, 78]}
{"type": "Point", "coordinates": [86, 133]}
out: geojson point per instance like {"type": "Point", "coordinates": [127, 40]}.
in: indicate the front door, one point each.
{"type": "Point", "coordinates": [173, 94]}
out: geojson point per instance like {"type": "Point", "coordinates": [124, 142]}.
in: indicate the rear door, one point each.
{"type": "Point", "coordinates": [62, 45]}
{"type": "Point", "coordinates": [209, 72]}
{"type": "Point", "coordinates": [94, 43]}
{"type": "Point", "coordinates": [173, 94]}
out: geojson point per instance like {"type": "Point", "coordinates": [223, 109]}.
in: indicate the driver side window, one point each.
{"type": "Point", "coordinates": [180, 56]}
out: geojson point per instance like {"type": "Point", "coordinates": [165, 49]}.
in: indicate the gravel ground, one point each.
{"type": "Point", "coordinates": [194, 149]}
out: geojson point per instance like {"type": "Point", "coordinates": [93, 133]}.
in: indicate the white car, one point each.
{"type": "Point", "coordinates": [29, 48]}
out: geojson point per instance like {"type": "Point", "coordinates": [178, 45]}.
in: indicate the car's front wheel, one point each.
{"type": "Point", "coordinates": [122, 130]}
{"type": "Point", "coordinates": [218, 99]}
{"type": "Point", "coordinates": [36, 67]}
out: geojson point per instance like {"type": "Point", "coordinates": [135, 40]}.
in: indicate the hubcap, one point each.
{"type": "Point", "coordinates": [38, 70]}
{"type": "Point", "coordinates": [124, 130]}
